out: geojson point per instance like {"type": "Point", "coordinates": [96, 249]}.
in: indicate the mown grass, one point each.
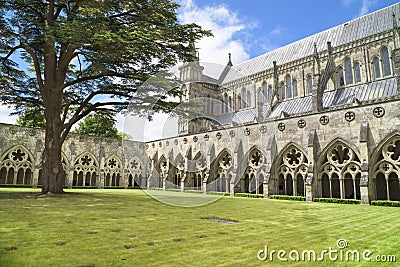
{"type": "Point", "coordinates": [129, 228]}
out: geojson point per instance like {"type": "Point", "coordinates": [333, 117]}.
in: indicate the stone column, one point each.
{"type": "Point", "coordinates": [364, 190]}
{"type": "Point", "coordinates": [35, 177]}
{"type": "Point", "coordinates": [266, 185]}
{"type": "Point", "coordinates": [309, 189]}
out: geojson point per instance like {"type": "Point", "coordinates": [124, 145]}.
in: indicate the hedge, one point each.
{"type": "Point", "coordinates": [219, 193]}
{"type": "Point", "coordinates": [285, 197]}
{"type": "Point", "coordinates": [387, 203]}
{"type": "Point", "coordinates": [173, 189]}
{"type": "Point", "coordinates": [338, 200]}
{"type": "Point", "coordinates": [249, 195]}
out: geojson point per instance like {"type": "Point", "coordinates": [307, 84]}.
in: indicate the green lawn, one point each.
{"type": "Point", "coordinates": [129, 228]}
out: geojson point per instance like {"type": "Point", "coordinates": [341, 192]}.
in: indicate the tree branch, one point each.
{"type": "Point", "coordinates": [36, 64]}
{"type": "Point", "coordinates": [13, 49]}
{"type": "Point", "coordinates": [76, 117]}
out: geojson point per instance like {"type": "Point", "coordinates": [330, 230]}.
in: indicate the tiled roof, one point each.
{"type": "Point", "coordinates": [364, 92]}
{"type": "Point", "coordinates": [353, 30]}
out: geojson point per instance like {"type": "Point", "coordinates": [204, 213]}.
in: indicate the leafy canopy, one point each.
{"type": "Point", "coordinates": [89, 56]}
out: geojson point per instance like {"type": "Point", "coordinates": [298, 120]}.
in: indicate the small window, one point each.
{"type": "Point", "coordinates": [385, 62]}
{"type": "Point", "coordinates": [248, 99]}
{"type": "Point", "coordinates": [377, 67]}
{"type": "Point", "coordinates": [289, 86]}
{"type": "Point", "coordinates": [357, 72]}
{"type": "Point", "coordinates": [243, 98]}
{"type": "Point", "coordinates": [283, 91]}
{"type": "Point", "coordinates": [265, 89]}
{"type": "Point", "coordinates": [226, 103]}
{"type": "Point", "coordinates": [309, 83]}
{"type": "Point", "coordinates": [341, 76]}
{"type": "Point", "coordinates": [270, 92]}
{"type": "Point", "coordinates": [295, 91]}
{"type": "Point", "coordinates": [239, 102]}
{"type": "Point", "coordinates": [348, 71]}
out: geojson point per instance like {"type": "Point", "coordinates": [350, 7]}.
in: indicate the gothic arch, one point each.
{"type": "Point", "coordinates": [386, 168]}
{"type": "Point", "coordinates": [112, 171]}
{"type": "Point", "coordinates": [339, 171]}
{"type": "Point", "coordinates": [134, 168]}
{"type": "Point", "coordinates": [250, 180]}
{"type": "Point", "coordinates": [16, 166]}
{"type": "Point", "coordinates": [291, 170]}
{"type": "Point", "coordinates": [85, 170]}
{"type": "Point", "coordinates": [199, 170]}
{"type": "Point", "coordinates": [220, 172]}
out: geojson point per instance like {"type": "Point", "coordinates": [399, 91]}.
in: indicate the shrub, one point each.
{"type": "Point", "coordinates": [285, 197]}
{"type": "Point", "coordinates": [219, 193]}
{"type": "Point", "coordinates": [387, 203]}
{"type": "Point", "coordinates": [338, 200]}
{"type": "Point", "coordinates": [249, 195]}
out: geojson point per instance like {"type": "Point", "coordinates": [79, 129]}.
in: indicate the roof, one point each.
{"type": "Point", "coordinates": [370, 24]}
{"type": "Point", "coordinates": [364, 92]}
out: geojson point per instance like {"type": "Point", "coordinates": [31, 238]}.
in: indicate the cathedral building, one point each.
{"type": "Point", "coordinates": [319, 117]}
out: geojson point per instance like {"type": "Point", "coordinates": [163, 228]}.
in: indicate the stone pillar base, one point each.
{"type": "Point", "coordinates": [309, 196]}
{"type": "Point", "coordinates": [364, 195]}
{"type": "Point", "coordinates": [265, 190]}
{"type": "Point", "coordinates": [232, 189]}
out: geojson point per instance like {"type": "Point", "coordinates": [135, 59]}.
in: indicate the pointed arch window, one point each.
{"type": "Point", "coordinates": [348, 71]}
{"type": "Point", "coordinates": [243, 98]}
{"type": "Point", "coordinates": [289, 86]}
{"type": "Point", "coordinates": [309, 83]}
{"type": "Point", "coordinates": [248, 99]}
{"type": "Point", "coordinates": [226, 103]}
{"type": "Point", "coordinates": [230, 104]}
{"type": "Point", "coordinates": [341, 76]}
{"type": "Point", "coordinates": [385, 62]}
{"type": "Point", "coordinates": [265, 89]}
{"type": "Point", "coordinates": [377, 67]}
{"type": "Point", "coordinates": [260, 96]}
{"type": "Point", "coordinates": [295, 90]}
{"type": "Point", "coordinates": [239, 102]}
{"type": "Point", "coordinates": [283, 92]}
{"type": "Point", "coordinates": [357, 72]}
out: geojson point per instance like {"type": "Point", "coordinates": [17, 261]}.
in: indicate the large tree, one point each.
{"type": "Point", "coordinates": [80, 52]}
{"type": "Point", "coordinates": [98, 125]}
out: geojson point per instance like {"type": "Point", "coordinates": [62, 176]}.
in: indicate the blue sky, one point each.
{"type": "Point", "coordinates": [249, 28]}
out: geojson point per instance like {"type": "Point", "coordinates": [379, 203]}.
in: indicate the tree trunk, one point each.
{"type": "Point", "coordinates": [52, 169]}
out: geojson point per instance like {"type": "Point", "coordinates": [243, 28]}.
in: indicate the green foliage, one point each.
{"type": "Point", "coordinates": [387, 203]}
{"type": "Point", "coordinates": [98, 125]}
{"type": "Point", "coordinates": [338, 200]}
{"type": "Point", "coordinates": [32, 118]}
{"type": "Point", "coordinates": [219, 193]}
{"type": "Point", "coordinates": [285, 197]}
{"type": "Point", "coordinates": [249, 195]}
{"type": "Point", "coordinates": [173, 189]}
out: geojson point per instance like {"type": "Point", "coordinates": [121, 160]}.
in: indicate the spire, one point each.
{"type": "Point", "coordinates": [230, 60]}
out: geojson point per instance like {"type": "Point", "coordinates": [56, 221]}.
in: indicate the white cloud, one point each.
{"type": "Point", "coordinates": [224, 24]}
{"type": "Point", "coordinates": [5, 116]}
{"type": "Point", "coordinates": [348, 2]}
{"type": "Point", "coordinates": [365, 7]}
{"type": "Point", "coordinates": [278, 30]}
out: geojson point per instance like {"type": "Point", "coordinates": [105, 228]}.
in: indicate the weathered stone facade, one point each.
{"type": "Point", "coordinates": [317, 118]}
